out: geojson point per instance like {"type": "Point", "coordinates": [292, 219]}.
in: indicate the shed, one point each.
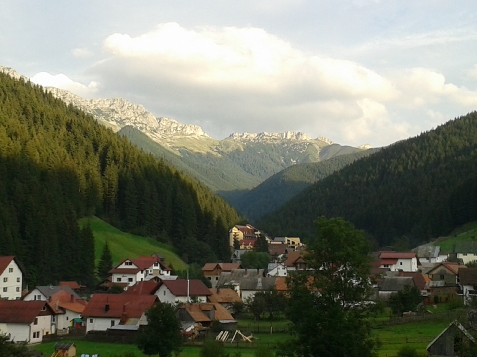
{"type": "Point", "coordinates": [65, 350]}
{"type": "Point", "coordinates": [450, 341]}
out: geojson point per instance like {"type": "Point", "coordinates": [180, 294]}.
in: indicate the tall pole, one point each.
{"type": "Point", "coordinates": [188, 299]}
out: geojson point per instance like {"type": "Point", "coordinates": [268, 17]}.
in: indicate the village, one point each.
{"type": "Point", "coordinates": [68, 308]}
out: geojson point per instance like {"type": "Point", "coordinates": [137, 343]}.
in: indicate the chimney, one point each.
{"type": "Point", "coordinates": [106, 307]}
{"type": "Point", "coordinates": [48, 298]}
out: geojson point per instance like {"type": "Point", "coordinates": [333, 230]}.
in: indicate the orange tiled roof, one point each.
{"type": "Point", "coordinates": [224, 295]}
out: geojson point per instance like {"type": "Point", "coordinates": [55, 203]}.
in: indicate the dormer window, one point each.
{"type": "Point", "coordinates": [10, 270]}
{"type": "Point", "coordinates": [128, 263]}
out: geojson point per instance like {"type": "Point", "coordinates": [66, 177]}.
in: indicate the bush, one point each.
{"type": "Point", "coordinates": [408, 351]}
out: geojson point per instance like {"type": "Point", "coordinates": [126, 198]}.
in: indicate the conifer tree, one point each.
{"type": "Point", "coordinates": [105, 263]}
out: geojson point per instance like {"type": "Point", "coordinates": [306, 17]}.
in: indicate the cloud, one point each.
{"type": "Point", "coordinates": [63, 82]}
{"type": "Point", "coordinates": [472, 73]}
{"type": "Point", "coordinates": [82, 53]}
{"type": "Point", "coordinates": [242, 78]}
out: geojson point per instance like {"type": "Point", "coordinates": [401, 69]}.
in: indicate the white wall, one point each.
{"type": "Point", "coordinates": [19, 332]}
{"type": "Point", "coordinates": [165, 295]}
{"type": "Point", "coordinates": [99, 324]}
{"type": "Point", "coordinates": [467, 257]}
{"type": "Point", "coordinates": [64, 320]}
{"type": "Point", "coordinates": [35, 294]}
{"type": "Point", "coordinates": [13, 283]}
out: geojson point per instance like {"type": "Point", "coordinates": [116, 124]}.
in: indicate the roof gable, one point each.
{"type": "Point", "coordinates": [148, 287]}
{"type": "Point", "coordinates": [397, 255]}
{"type": "Point", "coordinates": [396, 283]}
{"type": "Point", "coordinates": [22, 312]}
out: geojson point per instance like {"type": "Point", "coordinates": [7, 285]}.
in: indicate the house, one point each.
{"type": "Point", "coordinates": [289, 241]}
{"type": "Point", "coordinates": [240, 232]}
{"type": "Point", "coordinates": [148, 287]}
{"type": "Point", "coordinates": [430, 254]}
{"type": "Point", "coordinates": [467, 280]}
{"type": "Point", "coordinates": [237, 255]}
{"type": "Point", "coordinates": [399, 261]}
{"type": "Point", "coordinates": [182, 290]}
{"type": "Point", "coordinates": [212, 271]}
{"type": "Point", "coordinates": [277, 269]}
{"type": "Point", "coordinates": [393, 284]}
{"type": "Point", "coordinates": [131, 271]}
{"type": "Point", "coordinates": [446, 272]}
{"type": "Point", "coordinates": [66, 304]}
{"type": "Point", "coordinates": [450, 341]}
{"type": "Point", "coordinates": [279, 251]}
{"type": "Point", "coordinates": [108, 310]}
{"type": "Point", "coordinates": [295, 261]}
{"type": "Point", "coordinates": [223, 296]}
{"type": "Point", "coordinates": [466, 251]}
{"type": "Point", "coordinates": [11, 278]}
{"type": "Point", "coordinates": [204, 314]}
{"type": "Point", "coordinates": [247, 244]}
{"type": "Point", "coordinates": [246, 282]}
{"type": "Point", "coordinates": [26, 320]}
{"type": "Point", "coordinates": [421, 281]}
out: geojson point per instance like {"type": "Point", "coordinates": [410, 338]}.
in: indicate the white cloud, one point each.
{"type": "Point", "coordinates": [472, 73]}
{"type": "Point", "coordinates": [63, 82]}
{"type": "Point", "coordinates": [82, 53]}
{"type": "Point", "coordinates": [244, 76]}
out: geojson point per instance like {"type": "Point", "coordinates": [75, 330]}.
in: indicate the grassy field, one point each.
{"type": "Point", "coordinates": [125, 245]}
{"type": "Point", "coordinates": [466, 232]}
{"type": "Point", "coordinates": [416, 334]}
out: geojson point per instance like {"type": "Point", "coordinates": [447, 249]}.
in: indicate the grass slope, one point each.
{"type": "Point", "coordinates": [467, 232]}
{"type": "Point", "coordinates": [125, 245]}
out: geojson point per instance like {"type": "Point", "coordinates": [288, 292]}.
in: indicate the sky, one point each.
{"type": "Point", "coordinates": [354, 71]}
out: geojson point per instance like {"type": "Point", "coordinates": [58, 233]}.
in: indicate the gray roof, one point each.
{"type": "Point", "coordinates": [466, 247]}
{"type": "Point", "coordinates": [396, 283]}
{"type": "Point", "coordinates": [50, 290]}
{"type": "Point", "coordinates": [459, 326]}
{"type": "Point", "coordinates": [247, 279]}
{"type": "Point", "coordinates": [428, 251]}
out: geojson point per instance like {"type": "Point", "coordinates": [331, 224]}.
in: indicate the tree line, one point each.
{"type": "Point", "coordinates": [57, 164]}
{"type": "Point", "coordinates": [422, 188]}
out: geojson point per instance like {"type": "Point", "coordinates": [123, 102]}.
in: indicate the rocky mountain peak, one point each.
{"type": "Point", "coordinates": [169, 126]}
{"type": "Point", "coordinates": [265, 136]}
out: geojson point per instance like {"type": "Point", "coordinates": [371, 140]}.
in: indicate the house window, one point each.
{"type": "Point", "coordinates": [36, 334]}
{"type": "Point", "coordinates": [210, 278]}
{"type": "Point", "coordinates": [36, 321]}
{"type": "Point", "coordinates": [118, 279]}
{"type": "Point", "coordinates": [18, 289]}
{"type": "Point", "coordinates": [128, 263]}
{"type": "Point", "coordinates": [156, 264]}
{"type": "Point", "coordinates": [67, 318]}
{"type": "Point", "coordinates": [90, 321]}
{"type": "Point", "coordinates": [18, 280]}
{"type": "Point", "coordinates": [164, 293]}
{"type": "Point", "coordinates": [400, 263]}
{"type": "Point", "coordinates": [53, 319]}
{"type": "Point", "coordinates": [5, 289]}
{"type": "Point", "coordinates": [5, 280]}
{"type": "Point", "coordinates": [10, 270]}
{"type": "Point", "coordinates": [112, 323]}
{"type": "Point", "coordinates": [43, 308]}
{"type": "Point", "coordinates": [464, 254]}
{"type": "Point", "coordinates": [442, 277]}
{"type": "Point", "coordinates": [130, 279]}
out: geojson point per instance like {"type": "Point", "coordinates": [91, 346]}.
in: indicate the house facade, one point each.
{"type": "Point", "coordinates": [277, 269]}
{"type": "Point", "coordinates": [26, 321]}
{"type": "Point", "coordinates": [467, 281]}
{"type": "Point", "coordinates": [107, 310]}
{"type": "Point", "coordinates": [131, 271]}
{"type": "Point", "coordinates": [399, 261]}
{"type": "Point", "coordinates": [182, 291]}
{"type": "Point", "coordinates": [212, 271]}
{"type": "Point", "coordinates": [241, 232]}
{"type": "Point", "coordinates": [466, 251]}
{"type": "Point", "coordinates": [11, 278]}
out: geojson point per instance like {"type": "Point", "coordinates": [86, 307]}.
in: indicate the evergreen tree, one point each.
{"type": "Point", "coordinates": [105, 262]}
{"type": "Point", "coordinates": [261, 245]}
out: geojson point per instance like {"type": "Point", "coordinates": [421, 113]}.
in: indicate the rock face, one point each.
{"type": "Point", "coordinates": [118, 113]}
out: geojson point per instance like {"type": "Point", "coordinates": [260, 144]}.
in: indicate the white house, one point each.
{"type": "Point", "coordinates": [182, 290]}
{"type": "Point", "coordinates": [11, 278]}
{"type": "Point", "coordinates": [466, 251]}
{"type": "Point", "coordinates": [467, 280]}
{"type": "Point", "coordinates": [64, 301]}
{"type": "Point", "coordinates": [430, 254]}
{"type": "Point", "coordinates": [131, 271]}
{"type": "Point", "coordinates": [399, 261]}
{"type": "Point", "coordinates": [277, 269]}
{"type": "Point", "coordinates": [25, 320]}
{"type": "Point", "coordinates": [107, 310]}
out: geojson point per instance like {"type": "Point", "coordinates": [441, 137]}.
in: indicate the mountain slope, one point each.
{"type": "Point", "coordinates": [57, 164]}
{"type": "Point", "coordinates": [239, 162]}
{"type": "Point", "coordinates": [421, 187]}
{"type": "Point", "coordinates": [279, 188]}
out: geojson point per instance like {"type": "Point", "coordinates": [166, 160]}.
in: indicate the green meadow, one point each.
{"type": "Point", "coordinates": [125, 245]}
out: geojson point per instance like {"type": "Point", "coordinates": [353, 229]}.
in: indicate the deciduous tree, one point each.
{"type": "Point", "coordinates": [329, 306]}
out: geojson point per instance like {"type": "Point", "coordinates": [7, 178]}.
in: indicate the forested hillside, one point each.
{"type": "Point", "coordinates": [58, 164]}
{"type": "Point", "coordinates": [279, 188]}
{"type": "Point", "coordinates": [422, 187]}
